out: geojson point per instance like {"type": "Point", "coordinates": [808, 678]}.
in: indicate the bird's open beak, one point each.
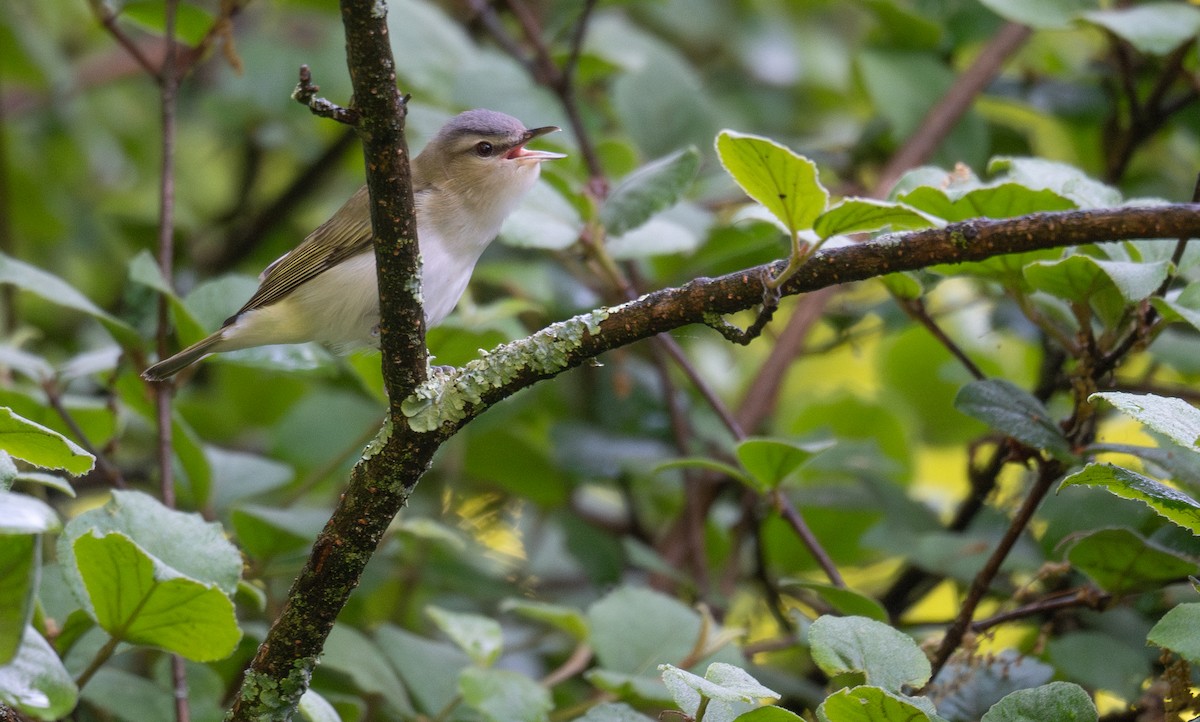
{"type": "Point", "coordinates": [521, 153]}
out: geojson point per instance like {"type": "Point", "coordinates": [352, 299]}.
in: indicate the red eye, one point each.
{"type": "Point", "coordinates": [484, 149]}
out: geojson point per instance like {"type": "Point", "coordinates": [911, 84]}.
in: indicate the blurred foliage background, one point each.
{"type": "Point", "coordinates": [557, 494]}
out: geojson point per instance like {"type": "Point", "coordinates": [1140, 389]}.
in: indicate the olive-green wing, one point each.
{"type": "Point", "coordinates": [346, 234]}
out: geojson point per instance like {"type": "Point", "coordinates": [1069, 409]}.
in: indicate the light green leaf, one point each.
{"type": "Point", "coordinates": [653, 188]}
{"type": "Point", "coordinates": [770, 461]}
{"type": "Point", "coordinates": [1040, 13]}
{"type": "Point", "coordinates": [887, 657]}
{"type": "Point", "coordinates": [568, 619]}
{"type": "Point", "coordinates": [238, 475]}
{"type": "Point", "coordinates": [723, 685]}
{"type": "Point", "coordinates": [1078, 277]}
{"type": "Point", "coordinates": [181, 541]}
{"type": "Point", "coordinates": [633, 688]}
{"type": "Point", "coordinates": [1153, 28]}
{"type": "Point", "coordinates": [41, 446]}
{"type": "Point", "coordinates": [706, 464]}
{"type": "Point", "coordinates": [478, 636]}
{"type": "Point", "coordinates": [862, 215]}
{"type": "Point", "coordinates": [658, 236]}
{"type": "Point", "coordinates": [267, 531]}
{"type": "Point", "coordinates": [504, 696]}
{"type": "Point", "coordinates": [1058, 701]}
{"type": "Point", "coordinates": [430, 669]}
{"type": "Point", "coordinates": [1176, 631]}
{"type": "Point", "coordinates": [1120, 561]}
{"type": "Point", "coordinates": [1061, 179]}
{"type": "Point", "coordinates": [784, 182]}
{"type": "Point", "coordinates": [57, 291]}
{"type": "Point", "coordinates": [50, 481]}
{"type": "Point", "coordinates": [1164, 500]}
{"type": "Point", "coordinates": [1176, 418]}
{"type": "Point", "coordinates": [997, 200]}
{"type": "Point", "coordinates": [35, 681]}
{"type": "Point", "coordinates": [612, 712]}
{"type": "Point", "coordinates": [635, 629]}
{"type": "Point", "coordinates": [315, 708]}
{"type": "Point", "coordinates": [1013, 411]}
{"type": "Point", "coordinates": [543, 220]}
{"type": "Point", "coordinates": [869, 704]}
{"type": "Point", "coordinates": [139, 600]}
{"type": "Point", "coordinates": [769, 714]}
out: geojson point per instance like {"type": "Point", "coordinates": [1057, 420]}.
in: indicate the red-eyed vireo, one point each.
{"type": "Point", "coordinates": [466, 182]}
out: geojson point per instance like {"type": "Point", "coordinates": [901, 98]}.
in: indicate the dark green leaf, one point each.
{"type": "Point", "coordinates": [1059, 701]}
{"type": "Point", "coordinates": [352, 653]}
{"type": "Point", "coordinates": [1176, 631]}
{"type": "Point", "coordinates": [887, 657]}
{"type": "Point", "coordinates": [844, 601]}
{"type": "Point", "coordinates": [1011, 410]}
{"type": "Point", "coordinates": [20, 563]}
{"type": "Point", "coordinates": [1121, 561]}
{"type": "Point", "coordinates": [770, 461]}
{"type": "Point", "coordinates": [1040, 13]}
{"type": "Point", "coordinates": [504, 696]}
{"type": "Point", "coordinates": [869, 704]}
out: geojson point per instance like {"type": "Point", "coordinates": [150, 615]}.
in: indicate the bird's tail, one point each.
{"type": "Point", "coordinates": [168, 367]}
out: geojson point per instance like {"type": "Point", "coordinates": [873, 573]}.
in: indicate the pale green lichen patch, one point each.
{"type": "Point", "coordinates": [276, 699]}
{"type": "Point", "coordinates": [376, 444]}
{"type": "Point", "coordinates": [448, 396]}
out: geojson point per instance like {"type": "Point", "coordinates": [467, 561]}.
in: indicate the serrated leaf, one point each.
{"type": "Point", "coordinates": [36, 682]}
{"type": "Point", "coordinates": [41, 446]}
{"type": "Point", "coordinates": [1153, 28]}
{"type": "Point", "coordinates": [478, 636]}
{"type": "Point", "coordinates": [1176, 418]}
{"type": "Point", "coordinates": [139, 600]}
{"type": "Point", "coordinates": [783, 181]}
{"type": "Point", "coordinates": [653, 188]}
{"type": "Point", "coordinates": [864, 215]}
{"type": "Point", "coordinates": [1078, 277]}
{"type": "Point", "coordinates": [1176, 631]}
{"type": "Point", "coordinates": [504, 696]}
{"type": "Point", "coordinates": [887, 657]}
{"type": "Point", "coordinates": [1061, 179]}
{"type": "Point", "coordinates": [722, 684]}
{"type": "Point", "coordinates": [1013, 411]}
{"type": "Point", "coordinates": [869, 704]}
{"type": "Point", "coordinates": [996, 200]}
{"type": "Point", "coordinates": [1164, 500]}
{"type": "Point", "coordinates": [1120, 561]}
{"type": "Point", "coordinates": [1059, 701]}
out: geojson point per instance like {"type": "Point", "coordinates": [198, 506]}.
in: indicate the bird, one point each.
{"type": "Point", "coordinates": [469, 177]}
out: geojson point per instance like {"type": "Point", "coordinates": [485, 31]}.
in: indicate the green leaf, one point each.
{"type": "Point", "coordinates": [868, 704]}
{"type": "Point", "coordinates": [20, 564]}
{"type": "Point", "coordinates": [237, 475]}
{"type": "Point", "coordinates": [478, 636]}
{"type": "Point", "coordinates": [612, 712]}
{"type": "Point", "coordinates": [544, 220]}
{"type": "Point", "coordinates": [846, 602]}
{"type": "Point", "coordinates": [635, 629]}
{"type": "Point", "coordinates": [971, 199]}
{"type": "Point", "coordinates": [504, 696]}
{"type": "Point", "coordinates": [41, 446]}
{"type": "Point", "coordinates": [635, 689]}
{"type": "Point", "coordinates": [568, 619]}
{"type": "Point", "coordinates": [653, 188]}
{"type": "Point", "coordinates": [1164, 500]}
{"type": "Point", "coordinates": [1153, 28]}
{"type": "Point", "coordinates": [1121, 561]}
{"type": "Point", "coordinates": [706, 464]}
{"type": "Point", "coordinates": [1040, 13]}
{"type": "Point", "coordinates": [191, 21]}
{"type": "Point", "coordinates": [784, 182]}
{"type": "Point", "coordinates": [973, 685]}
{"type": "Point", "coordinates": [862, 215]}
{"type": "Point", "coordinates": [267, 531]}
{"type": "Point", "coordinates": [35, 681]}
{"type": "Point", "coordinates": [1059, 701]}
{"type": "Point", "coordinates": [658, 236]}
{"type": "Point", "coordinates": [1079, 278]}
{"type": "Point", "coordinates": [770, 461]}
{"type": "Point", "coordinates": [430, 669]}
{"type": "Point", "coordinates": [1176, 631]}
{"type": "Point", "coordinates": [887, 657]}
{"type": "Point", "coordinates": [902, 286]}
{"type": "Point", "coordinates": [1061, 179]}
{"type": "Point", "coordinates": [315, 708]}
{"type": "Point", "coordinates": [139, 600]}
{"type": "Point", "coordinates": [1011, 410]}
{"type": "Point", "coordinates": [1176, 418]}
{"type": "Point", "coordinates": [57, 291]}
{"type": "Point", "coordinates": [355, 655]}
{"type": "Point", "coordinates": [184, 542]}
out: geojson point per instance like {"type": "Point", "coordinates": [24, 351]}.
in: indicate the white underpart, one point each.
{"type": "Point", "coordinates": [340, 307]}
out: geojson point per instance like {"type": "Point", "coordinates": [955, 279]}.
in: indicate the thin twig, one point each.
{"type": "Point", "coordinates": [106, 467]}
{"type": "Point", "coordinates": [108, 19]}
{"type": "Point", "coordinates": [1087, 597]}
{"type": "Point", "coordinates": [794, 519]}
{"type": "Point", "coordinates": [1048, 473]}
{"type": "Point", "coordinates": [915, 308]}
{"type": "Point", "coordinates": [306, 94]}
